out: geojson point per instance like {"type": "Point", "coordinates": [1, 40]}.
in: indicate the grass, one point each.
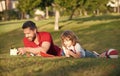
{"type": "Point", "coordinates": [95, 33]}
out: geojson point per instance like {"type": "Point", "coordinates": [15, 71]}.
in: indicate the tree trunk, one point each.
{"type": "Point", "coordinates": [22, 15]}
{"type": "Point", "coordinates": [114, 9]}
{"type": "Point", "coordinates": [8, 4]}
{"type": "Point", "coordinates": [85, 13]}
{"type": "Point", "coordinates": [98, 12]}
{"type": "Point", "coordinates": [47, 14]}
{"type": "Point", "coordinates": [2, 9]}
{"type": "Point", "coordinates": [57, 15]}
{"type": "Point", "coordinates": [71, 16]}
{"type": "Point", "coordinates": [80, 12]}
{"type": "Point", "coordinates": [5, 18]}
{"type": "Point", "coordinates": [1, 6]}
{"type": "Point", "coordinates": [118, 6]}
{"type": "Point", "coordinates": [118, 9]}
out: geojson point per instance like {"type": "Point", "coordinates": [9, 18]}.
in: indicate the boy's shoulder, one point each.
{"type": "Point", "coordinates": [77, 44]}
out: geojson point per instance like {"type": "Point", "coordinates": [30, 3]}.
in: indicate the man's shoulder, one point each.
{"type": "Point", "coordinates": [43, 33]}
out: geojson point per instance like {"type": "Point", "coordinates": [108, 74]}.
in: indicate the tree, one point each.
{"type": "Point", "coordinates": [71, 5]}
{"type": "Point", "coordinates": [2, 7]}
{"type": "Point", "coordinates": [7, 7]}
{"type": "Point", "coordinates": [25, 6]}
{"type": "Point", "coordinates": [45, 4]}
{"type": "Point", "coordinates": [96, 5]}
{"type": "Point", "coordinates": [57, 14]}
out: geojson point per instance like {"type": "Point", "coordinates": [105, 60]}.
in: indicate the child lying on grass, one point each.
{"type": "Point", "coordinates": [72, 47]}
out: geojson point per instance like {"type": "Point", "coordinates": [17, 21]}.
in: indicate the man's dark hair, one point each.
{"type": "Point", "coordinates": [29, 24]}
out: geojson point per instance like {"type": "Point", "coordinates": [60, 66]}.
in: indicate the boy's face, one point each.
{"type": "Point", "coordinates": [67, 42]}
{"type": "Point", "coordinates": [30, 34]}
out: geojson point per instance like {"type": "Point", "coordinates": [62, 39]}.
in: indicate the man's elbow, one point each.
{"type": "Point", "coordinates": [45, 50]}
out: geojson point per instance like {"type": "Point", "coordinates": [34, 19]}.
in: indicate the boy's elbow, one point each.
{"type": "Point", "coordinates": [78, 56]}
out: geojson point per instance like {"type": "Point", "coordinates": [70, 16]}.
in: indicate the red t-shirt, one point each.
{"type": "Point", "coordinates": [43, 36]}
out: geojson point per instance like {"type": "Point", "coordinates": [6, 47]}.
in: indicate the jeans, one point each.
{"type": "Point", "coordinates": [90, 54]}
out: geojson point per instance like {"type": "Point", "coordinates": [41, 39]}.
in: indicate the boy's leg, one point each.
{"type": "Point", "coordinates": [96, 53]}
{"type": "Point", "coordinates": [90, 54]}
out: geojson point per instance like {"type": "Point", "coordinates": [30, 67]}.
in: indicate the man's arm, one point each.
{"type": "Point", "coordinates": [44, 48]}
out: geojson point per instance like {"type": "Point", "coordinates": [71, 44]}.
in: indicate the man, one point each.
{"type": "Point", "coordinates": [37, 43]}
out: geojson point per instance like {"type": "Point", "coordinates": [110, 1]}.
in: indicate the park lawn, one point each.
{"type": "Point", "coordinates": [95, 33]}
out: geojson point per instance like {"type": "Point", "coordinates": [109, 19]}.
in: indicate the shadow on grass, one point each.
{"type": "Point", "coordinates": [49, 67]}
{"type": "Point", "coordinates": [70, 67]}
{"type": "Point", "coordinates": [85, 19]}
{"type": "Point", "coordinates": [103, 36]}
{"type": "Point", "coordinates": [100, 18]}
{"type": "Point", "coordinates": [91, 18]}
{"type": "Point", "coordinates": [67, 68]}
{"type": "Point", "coordinates": [115, 71]}
{"type": "Point", "coordinates": [9, 22]}
{"type": "Point", "coordinates": [94, 18]}
{"type": "Point", "coordinates": [38, 66]}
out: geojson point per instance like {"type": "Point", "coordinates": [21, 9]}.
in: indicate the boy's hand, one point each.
{"type": "Point", "coordinates": [67, 53]}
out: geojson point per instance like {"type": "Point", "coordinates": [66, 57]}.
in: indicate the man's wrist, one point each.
{"type": "Point", "coordinates": [26, 49]}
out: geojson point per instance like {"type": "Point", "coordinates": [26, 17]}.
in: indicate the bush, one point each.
{"type": "Point", "coordinates": [9, 15]}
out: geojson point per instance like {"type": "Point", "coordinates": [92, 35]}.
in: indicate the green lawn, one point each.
{"type": "Point", "coordinates": [95, 33]}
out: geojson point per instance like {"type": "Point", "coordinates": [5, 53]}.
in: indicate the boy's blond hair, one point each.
{"type": "Point", "coordinates": [69, 34]}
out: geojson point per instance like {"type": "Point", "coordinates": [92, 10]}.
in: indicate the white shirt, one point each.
{"type": "Point", "coordinates": [76, 48]}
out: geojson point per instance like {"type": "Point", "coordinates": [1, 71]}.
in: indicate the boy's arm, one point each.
{"type": "Point", "coordinates": [65, 51]}
{"type": "Point", "coordinates": [75, 55]}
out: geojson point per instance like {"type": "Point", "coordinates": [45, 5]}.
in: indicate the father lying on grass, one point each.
{"type": "Point", "coordinates": [37, 43]}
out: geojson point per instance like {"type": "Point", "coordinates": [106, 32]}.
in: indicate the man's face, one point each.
{"type": "Point", "coordinates": [30, 34]}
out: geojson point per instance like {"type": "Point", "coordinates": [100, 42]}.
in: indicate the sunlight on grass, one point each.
{"type": "Point", "coordinates": [11, 25]}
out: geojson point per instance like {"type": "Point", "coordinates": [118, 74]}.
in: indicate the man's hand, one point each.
{"type": "Point", "coordinates": [21, 51]}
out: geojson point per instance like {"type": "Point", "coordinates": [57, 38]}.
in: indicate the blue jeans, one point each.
{"type": "Point", "coordinates": [90, 54]}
